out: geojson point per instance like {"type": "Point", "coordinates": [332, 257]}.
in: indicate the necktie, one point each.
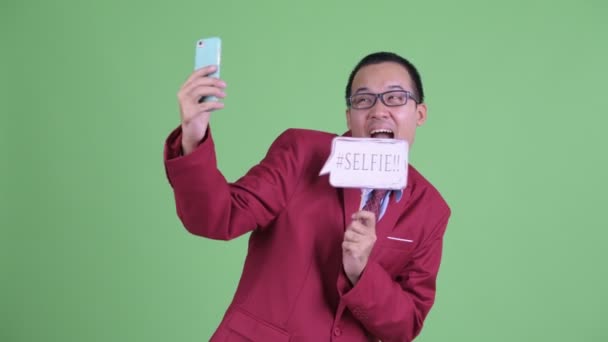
{"type": "Point", "coordinates": [373, 203]}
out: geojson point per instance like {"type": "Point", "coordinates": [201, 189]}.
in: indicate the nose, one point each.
{"type": "Point", "coordinates": [378, 111]}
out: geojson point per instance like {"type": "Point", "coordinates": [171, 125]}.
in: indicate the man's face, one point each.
{"type": "Point", "coordinates": [400, 121]}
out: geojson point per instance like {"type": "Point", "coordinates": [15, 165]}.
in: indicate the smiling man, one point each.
{"type": "Point", "coordinates": [323, 264]}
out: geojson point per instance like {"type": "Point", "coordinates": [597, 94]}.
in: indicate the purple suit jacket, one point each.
{"type": "Point", "coordinates": [293, 287]}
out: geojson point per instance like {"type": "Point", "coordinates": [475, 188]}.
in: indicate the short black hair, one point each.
{"type": "Point", "coordinates": [381, 57]}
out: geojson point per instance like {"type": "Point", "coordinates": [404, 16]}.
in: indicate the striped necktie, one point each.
{"type": "Point", "coordinates": [374, 201]}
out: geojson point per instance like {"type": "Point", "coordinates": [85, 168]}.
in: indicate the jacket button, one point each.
{"type": "Point", "coordinates": [337, 331]}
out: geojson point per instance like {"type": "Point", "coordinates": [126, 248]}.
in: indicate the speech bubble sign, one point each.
{"type": "Point", "coordinates": [367, 163]}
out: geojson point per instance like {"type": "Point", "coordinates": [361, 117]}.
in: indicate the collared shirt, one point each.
{"type": "Point", "coordinates": [365, 194]}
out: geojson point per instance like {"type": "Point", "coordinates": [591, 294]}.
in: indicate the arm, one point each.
{"type": "Point", "coordinates": [395, 309]}
{"type": "Point", "coordinates": [210, 206]}
{"type": "Point", "coordinates": [206, 203]}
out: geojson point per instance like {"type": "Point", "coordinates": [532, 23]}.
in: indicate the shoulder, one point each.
{"type": "Point", "coordinates": [423, 190]}
{"type": "Point", "coordinates": [309, 135]}
{"type": "Point", "coordinates": [302, 146]}
{"type": "Point", "coordinates": [305, 142]}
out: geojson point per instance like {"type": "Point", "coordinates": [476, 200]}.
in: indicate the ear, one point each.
{"type": "Point", "coordinates": [421, 114]}
{"type": "Point", "coordinates": [348, 118]}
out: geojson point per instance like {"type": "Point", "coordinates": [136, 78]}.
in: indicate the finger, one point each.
{"type": "Point", "coordinates": [366, 217]}
{"type": "Point", "coordinates": [352, 248]}
{"type": "Point", "coordinates": [198, 74]}
{"type": "Point", "coordinates": [348, 247]}
{"type": "Point", "coordinates": [203, 91]}
{"type": "Point", "coordinates": [358, 228]}
{"type": "Point", "coordinates": [210, 106]}
{"type": "Point", "coordinates": [203, 98]}
{"type": "Point", "coordinates": [202, 72]}
{"type": "Point", "coordinates": [202, 82]}
{"type": "Point", "coordinates": [214, 81]}
{"type": "Point", "coordinates": [352, 236]}
{"type": "Point", "coordinates": [201, 109]}
{"type": "Point", "coordinates": [363, 226]}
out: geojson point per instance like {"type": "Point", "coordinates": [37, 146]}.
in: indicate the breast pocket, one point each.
{"type": "Point", "coordinates": [394, 254]}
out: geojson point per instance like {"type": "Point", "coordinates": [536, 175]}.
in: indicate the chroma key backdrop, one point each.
{"type": "Point", "coordinates": [91, 248]}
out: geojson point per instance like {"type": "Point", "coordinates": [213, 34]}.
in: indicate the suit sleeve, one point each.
{"type": "Point", "coordinates": [395, 309]}
{"type": "Point", "coordinates": [210, 206]}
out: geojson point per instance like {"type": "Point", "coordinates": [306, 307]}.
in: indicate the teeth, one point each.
{"type": "Point", "coordinates": [377, 131]}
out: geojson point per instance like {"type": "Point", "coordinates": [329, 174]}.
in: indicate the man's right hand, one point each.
{"type": "Point", "coordinates": [195, 115]}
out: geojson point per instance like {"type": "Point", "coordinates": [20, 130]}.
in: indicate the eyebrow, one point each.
{"type": "Point", "coordinates": [398, 87]}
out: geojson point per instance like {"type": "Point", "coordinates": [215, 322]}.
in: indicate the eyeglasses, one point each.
{"type": "Point", "coordinates": [392, 98]}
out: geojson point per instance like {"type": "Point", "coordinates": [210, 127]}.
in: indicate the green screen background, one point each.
{"type": "Point", "coordinates": [91, 248]}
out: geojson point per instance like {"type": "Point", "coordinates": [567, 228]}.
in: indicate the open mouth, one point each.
{"type": "Point", "coordinates": [382, 134]}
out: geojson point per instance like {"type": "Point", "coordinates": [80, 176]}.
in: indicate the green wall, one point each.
{"type": "Point", "coordinates": [91, 248]}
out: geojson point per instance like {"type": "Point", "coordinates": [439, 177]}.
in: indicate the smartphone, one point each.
{"type": "Point", "coordinates": [208, 52]}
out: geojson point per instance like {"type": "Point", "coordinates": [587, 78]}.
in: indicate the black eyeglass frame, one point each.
{"type": "Point", "coordinates": [408, 95]}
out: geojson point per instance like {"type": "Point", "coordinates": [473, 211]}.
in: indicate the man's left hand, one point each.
{"type": "Point", "coordinates": [359, 239]}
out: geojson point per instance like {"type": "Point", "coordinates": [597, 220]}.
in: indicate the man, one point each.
{"type": "Point", "coordinates": [320, 267]}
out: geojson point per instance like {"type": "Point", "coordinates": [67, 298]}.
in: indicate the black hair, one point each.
{"type": "Point", "coordinates": [381, 57]}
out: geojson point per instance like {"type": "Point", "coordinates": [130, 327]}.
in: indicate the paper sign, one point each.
{"type": "Point", "coordinates": [367, 163]}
